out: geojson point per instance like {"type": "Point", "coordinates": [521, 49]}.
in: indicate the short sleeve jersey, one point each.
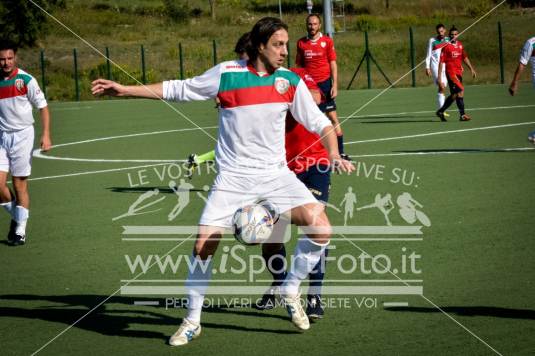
{"type": "Point", "coordinates": [527, 55]}
{"type": "Point", "coordinates": [452, 56]}
{"type": "Point", "coordinates": [18, 93]}
{"type": "Point", "coordinates": [315, 56]}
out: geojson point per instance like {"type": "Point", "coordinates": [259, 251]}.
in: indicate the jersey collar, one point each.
{"type": "Point", "coordinates": [13, 74]}
{"type": "Point", "coordinates": [317, 39]}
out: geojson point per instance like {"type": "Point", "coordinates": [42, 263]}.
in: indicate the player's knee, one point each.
{"type": "Point", "coordinates": [20, 185]}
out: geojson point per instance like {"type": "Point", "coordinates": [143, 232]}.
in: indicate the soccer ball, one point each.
{"type": "Point", "coordinates": [252, 224]}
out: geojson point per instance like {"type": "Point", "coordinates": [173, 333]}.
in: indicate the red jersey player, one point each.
{"type": "Point", "coordinates": [315, 53]}
{"type": "Point", "coordinates": [453, 55]}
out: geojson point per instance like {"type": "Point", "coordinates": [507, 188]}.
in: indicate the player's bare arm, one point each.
{"type": "Point", "coordinates": [516, 77]}
{"type": "Point", "coordinates": [46, 142]}
{"type": "Point", "coordinates": [334, 76]}
{"type": "Point", "coordinates": [467, 62]}
{"type": "Point", "coordinates": [107, 87]}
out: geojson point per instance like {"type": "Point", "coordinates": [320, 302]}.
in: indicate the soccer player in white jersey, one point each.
{"type": "Point", "coordinates": [527, 55]}
{"type": "Point", "coordinates": [255, 96]}
{"type": "Point", "coordinates": [432, 59]}
{"type": "Point", "coordinates": [19, 91]}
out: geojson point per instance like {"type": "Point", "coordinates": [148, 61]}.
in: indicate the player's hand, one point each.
{"type": "Point", "coordinates": [513, 88]}
{"type": "Point", "coordinates": [474, 74]}
{"type": "Point", "coordinates": [428, 72]}
{"type": "Point", "coordinates": [46, 143]}
{"type": "Point", "coordinates": [334, 92]}
{"type": "Point", "coordinates": [340, 165]}
{"type": "Point", "coordinates": [107, 87]}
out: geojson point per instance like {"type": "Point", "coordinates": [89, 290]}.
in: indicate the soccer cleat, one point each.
{"type": "Point", "coordinates": [446, 114]}
{"type": "Point", "coordinates": [11, 233]}
{"type": "Point", "coordinates": [185, 333]}
{"type": "Point", "coordinates": [465, 117]}
{"type": "Point", "coordinates": [314, 307]}
{"type": "Point", "coordinates": [269, 299]}
{"type": "Point", "coordinates": [296, 312]}
{"type": "Point", "coordinates": [191, 165]}
{"type": "Point", "coordinates": [440, 114]}
{"type": "Point", "coordinates": [345, 157]}
{"type": "Point", "coordinates": [18, 240]}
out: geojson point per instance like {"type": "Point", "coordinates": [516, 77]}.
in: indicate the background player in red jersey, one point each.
{"type": "Point", "coordinates": [453, 55]}
{"type": "Point", "coordinates": [315, 53]}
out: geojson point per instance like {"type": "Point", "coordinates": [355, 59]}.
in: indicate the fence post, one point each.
{"type": "Point", "coordinates": [500, 41]}
{"type": "Point", "coordinates": [368, 67]}
{"type": "Point", "coordinates": [43, 77]}
{"type": "Point", "coordinates": [181, 58]}
{"type": "Point", "coordinates": [108, 67]}
{"type": "Point", "coordinates": [76, 84]}
{"type": "Point", "coordinates": [214, 46]}
{"type": "Point", "coordinates": [413, 72]}
{"type": "Point", "coordinates": [143, 74]}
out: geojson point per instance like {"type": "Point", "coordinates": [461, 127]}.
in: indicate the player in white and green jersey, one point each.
{"type": "Point", "coordinates": [19, 92]}
{"type": "Point", "coordinates": [255, 97]}
{"type": "Point", "coordinates": [432, 59]}
{"type": "Point", "coordinates": [527, 55]}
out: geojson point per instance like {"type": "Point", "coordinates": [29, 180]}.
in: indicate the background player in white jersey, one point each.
{"type": "Point", "coordinates": [527, 55]}
{"type": "Point", "coordinates": [19, 91]}
{"type": "Point", "coordinates": [432, 59]}
{"type": "Point", "coordinates": [251, 158]}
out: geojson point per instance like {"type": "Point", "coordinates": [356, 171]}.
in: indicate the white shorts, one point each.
{"type": "Point", "coordinates": [230, 192]}
{"type": "Point", "coordinates": [16, 152]}
{"type": "Point", "coordinates": [443, 79]}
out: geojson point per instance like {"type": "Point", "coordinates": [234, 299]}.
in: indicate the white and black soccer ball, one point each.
{"type": "Point", "coordinates": [252, 224]}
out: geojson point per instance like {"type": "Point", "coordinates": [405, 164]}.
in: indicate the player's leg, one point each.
{"type": "Point", "coordinates": [308, 251]}
{"type": "Point", "coordinates": [199, 273]}
{"type": "Point", "coordinates": [22, 208]}
{"type": "Point", "coordinates": [7, 200]}
{"type": "Point", "coordinates": [319, 182]}
{"type": "Point", "coordinates": [459, 100]}
{"type": "Point", "coordinates": [328, 106]}
{"type": "Point", "coordinates": [228, 193]}
{"type": "Point", "coordinates": [452, 82]}
{"type": "Point", "coordinates": [20, 166]}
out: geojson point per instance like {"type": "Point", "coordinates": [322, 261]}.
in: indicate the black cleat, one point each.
{"type": "Point", "coordinates": [440, 114]}
{"type": "Point", "coordinates": [268, 300]}
{"type": "Point", "coordinates": [314, 307]}
{"type": "Point", "coordinates": [18, 240]}
{"type": "Point", "coordinates": [191, 165]}
{"type": "Point", "coordinates": [11, 233]}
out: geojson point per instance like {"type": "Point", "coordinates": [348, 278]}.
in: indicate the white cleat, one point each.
{"type": "Point", "coordinates": [185, 333]}
{"type": "Point", "coordinates": [296, 312]}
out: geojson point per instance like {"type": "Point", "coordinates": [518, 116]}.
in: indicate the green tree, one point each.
{"type": "Point", "coordinates": [23, 22]}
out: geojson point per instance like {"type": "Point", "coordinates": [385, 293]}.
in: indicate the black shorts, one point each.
{"type": "Point", "coordinates": [455, 83]}
{"type": "Point", "coordinates": [318, 180]}
{"type": "Point", "coordinates": [328, 105]}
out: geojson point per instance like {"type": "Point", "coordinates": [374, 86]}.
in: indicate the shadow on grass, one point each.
{"type": "Point", "coordinates": [163, 190]}
{"type": "Point", "coordinates": [114, 321]}
{"type": "Point", "coordinates": [396, 121]}
{"type": "Point", "coordinates": [472, 311]}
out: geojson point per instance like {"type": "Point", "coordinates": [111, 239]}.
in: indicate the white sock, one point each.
{"type": "Point", "coordinates": [306, 256]}
{"type": "Point", "coordinates": [21, 217]}
{"type": "Point", "coordinates": [441, 98]}
{"type": "Point", "coordinates": [199, 274]}
{"type": "Point", "coordinates": [10, 208]}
